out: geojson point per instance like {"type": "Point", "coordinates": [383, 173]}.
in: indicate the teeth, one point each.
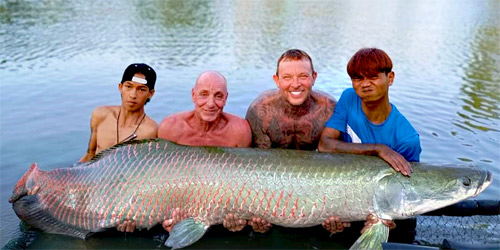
{"type": "Point", "coordinates": [296, 92]}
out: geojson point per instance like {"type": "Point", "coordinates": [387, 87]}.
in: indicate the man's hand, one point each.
{"type": "Point", "coordinates": [177, 216]}
{"type": "Point", "coordinates": [371, 219]}
{"type": "Point", "coordinates": [127, 226]}
{"type": "Point", "coordinates": [334, 225]}
{"type": "Point", "coordinates": [397, 161]}
{"type": "Point", "coordinates": [233, 223]}
{"type": "Point", "coordinates": [259, 225]}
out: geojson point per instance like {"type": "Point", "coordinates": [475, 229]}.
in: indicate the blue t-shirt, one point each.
{"type": "Point", "coordinates": [395, 132]}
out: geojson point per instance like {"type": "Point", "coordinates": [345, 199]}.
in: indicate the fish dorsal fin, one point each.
{"type": "Point", "coordinates": [185, 233]}
{"type": "Point", "coordinates": [122, 144]}
{"type": "Point", "coordinates": [372, 238]}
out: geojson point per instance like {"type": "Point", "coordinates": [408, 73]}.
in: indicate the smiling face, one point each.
{"type": "Point", "coordinates": [209, 96]}
{"type": "Point", "coordinates": [134, 94]}
{"type": "Point", "coordinates": [295, 79]}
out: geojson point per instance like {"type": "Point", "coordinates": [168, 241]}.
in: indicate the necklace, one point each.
{"type": "Point", "coordinates": [133, 135]}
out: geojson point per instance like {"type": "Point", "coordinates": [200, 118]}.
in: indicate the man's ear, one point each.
{"type": "Point", "coordinates": [276, 80]}
{"type": "Point", "coordinates": [315, 75]}
{"type": "Point", "coordinates": [391, 76]}
{"type": "Point", "coordinates": [192, 94]}
{"type": "Point", "coordinates": [151, 93]}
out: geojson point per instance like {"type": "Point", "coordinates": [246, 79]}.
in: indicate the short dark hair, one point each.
{"type": "Point", "coordinates": [296, 55]}
{"type": "Point", "coordinates": [368, 62]}
{"type": "Point", "coordinates": [142, 68]}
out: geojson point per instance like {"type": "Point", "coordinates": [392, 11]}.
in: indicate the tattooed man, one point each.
{"type": "Point", "coordinates": [293, 115]}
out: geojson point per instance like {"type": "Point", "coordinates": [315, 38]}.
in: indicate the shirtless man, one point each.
{"type": "Point", "coordinates": [292, 116]}
{"type": "Point", "coordinates": [110, 125]}
{"type": "Point", "coordinates": [207, 124]}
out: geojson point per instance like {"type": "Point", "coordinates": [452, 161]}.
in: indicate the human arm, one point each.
{"type": "Point", "coordinates": [244, 134]}
{"type": "Point", "coordinates": [256, 120]}
{"type": "Point", "coordinates": [166, 129]}
{"type": "Point", "coordinates": [96, 119]}
{"type": "Point", "coordinates": [330, 142]}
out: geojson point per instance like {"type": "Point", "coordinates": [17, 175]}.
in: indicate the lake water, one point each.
{"type": "Point", "coordinates": [61, 59]}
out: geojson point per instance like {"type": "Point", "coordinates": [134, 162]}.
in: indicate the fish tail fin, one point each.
{"type": "Point", "coordinates": [185, 233]}
{"type": "Point", "coordinates": [26, 181]}
{"type": "Point", "coordinates": [372, 238]}
{"type": "Point", "coordinates": [29, 209]}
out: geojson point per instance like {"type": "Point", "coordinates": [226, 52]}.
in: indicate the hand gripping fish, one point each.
{"type": "Point", "coordinates": [144, 181]}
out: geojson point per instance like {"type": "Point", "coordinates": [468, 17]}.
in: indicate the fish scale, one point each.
{"type": "Point", "coordinates": [143, 181]}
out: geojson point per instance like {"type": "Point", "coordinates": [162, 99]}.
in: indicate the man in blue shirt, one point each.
{"type": "Point", "coordinates": [365, 122]}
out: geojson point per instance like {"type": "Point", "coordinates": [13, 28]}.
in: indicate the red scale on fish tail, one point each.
{"type": "Point", "coordinates": [66, 199]}
{"type": "Point", "coordinates": [79, 197]}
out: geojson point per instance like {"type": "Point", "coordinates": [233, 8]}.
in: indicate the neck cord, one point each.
{"type": "Point", "coordinates": [133, 135]}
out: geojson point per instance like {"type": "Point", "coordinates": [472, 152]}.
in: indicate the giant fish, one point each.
{"type": "Point", "coordinates": [144, 181]}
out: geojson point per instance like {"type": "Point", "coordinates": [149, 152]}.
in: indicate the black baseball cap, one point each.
{"type": "Point", "coordinates": [144, 69]}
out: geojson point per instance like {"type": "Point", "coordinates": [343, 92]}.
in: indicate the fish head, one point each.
{"type": "Point", "coordinates": [430, 187]}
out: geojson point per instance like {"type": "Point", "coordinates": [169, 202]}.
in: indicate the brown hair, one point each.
{"type": "Point", "coordinates": [368, 62]}
{"type": "Point", "coordinates": [294, 55]}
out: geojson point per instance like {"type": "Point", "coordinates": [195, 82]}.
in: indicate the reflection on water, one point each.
{"type": "Point", "coordinates": [61, 59]}
{"type": "Point", "coordinates": [481, 88]}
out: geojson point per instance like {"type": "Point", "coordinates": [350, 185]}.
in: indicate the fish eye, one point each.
{"type": "Point", "coordinates": [465, 181]}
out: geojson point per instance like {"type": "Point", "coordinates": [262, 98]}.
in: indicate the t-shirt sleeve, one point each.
{"type": "Point", "coordinates": [410, 148]}
{"type": "Point", "coordinates": [338, 120]}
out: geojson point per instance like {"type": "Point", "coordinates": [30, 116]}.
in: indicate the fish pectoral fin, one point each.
{"type": "Point", "coordinates": [372, 238]}
{"type": "Point", "coordinates": [185, 233]}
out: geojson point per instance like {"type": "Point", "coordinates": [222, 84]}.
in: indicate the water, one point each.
{"type": "Point", "coordinates": [61, 59]}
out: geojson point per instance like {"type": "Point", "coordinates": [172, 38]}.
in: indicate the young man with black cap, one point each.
{"type": "Point", "coordinates": [111, 125]}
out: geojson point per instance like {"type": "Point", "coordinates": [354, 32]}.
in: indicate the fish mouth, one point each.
{"type": "Point", "coordinates": [486, 183]}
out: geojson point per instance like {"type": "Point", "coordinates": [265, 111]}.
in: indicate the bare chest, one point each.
{"type": "Point", "coordinates": [296, 132]}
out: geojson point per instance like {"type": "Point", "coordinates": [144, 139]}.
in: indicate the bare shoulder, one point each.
{"type": "Point", "coordinates": [102, 112]}
{"type": "Point", "coordinates": [150, 128]}
{"type": "Point", "coordinates": [324, 100]}
{"type": "Point", "coordinates": [236, 121]}
{"type": "Point", "coordinates": [265, 103]}
{"type": "Point", "coordinates": [266, 99]}
{"type": "Point", "coordinates": [238, 130]}
{"type": "Point", "coordinates": [172, 123]}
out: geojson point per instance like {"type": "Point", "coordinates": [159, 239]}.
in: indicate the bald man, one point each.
{"type": "Point", "coordinates": [207, 124]}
